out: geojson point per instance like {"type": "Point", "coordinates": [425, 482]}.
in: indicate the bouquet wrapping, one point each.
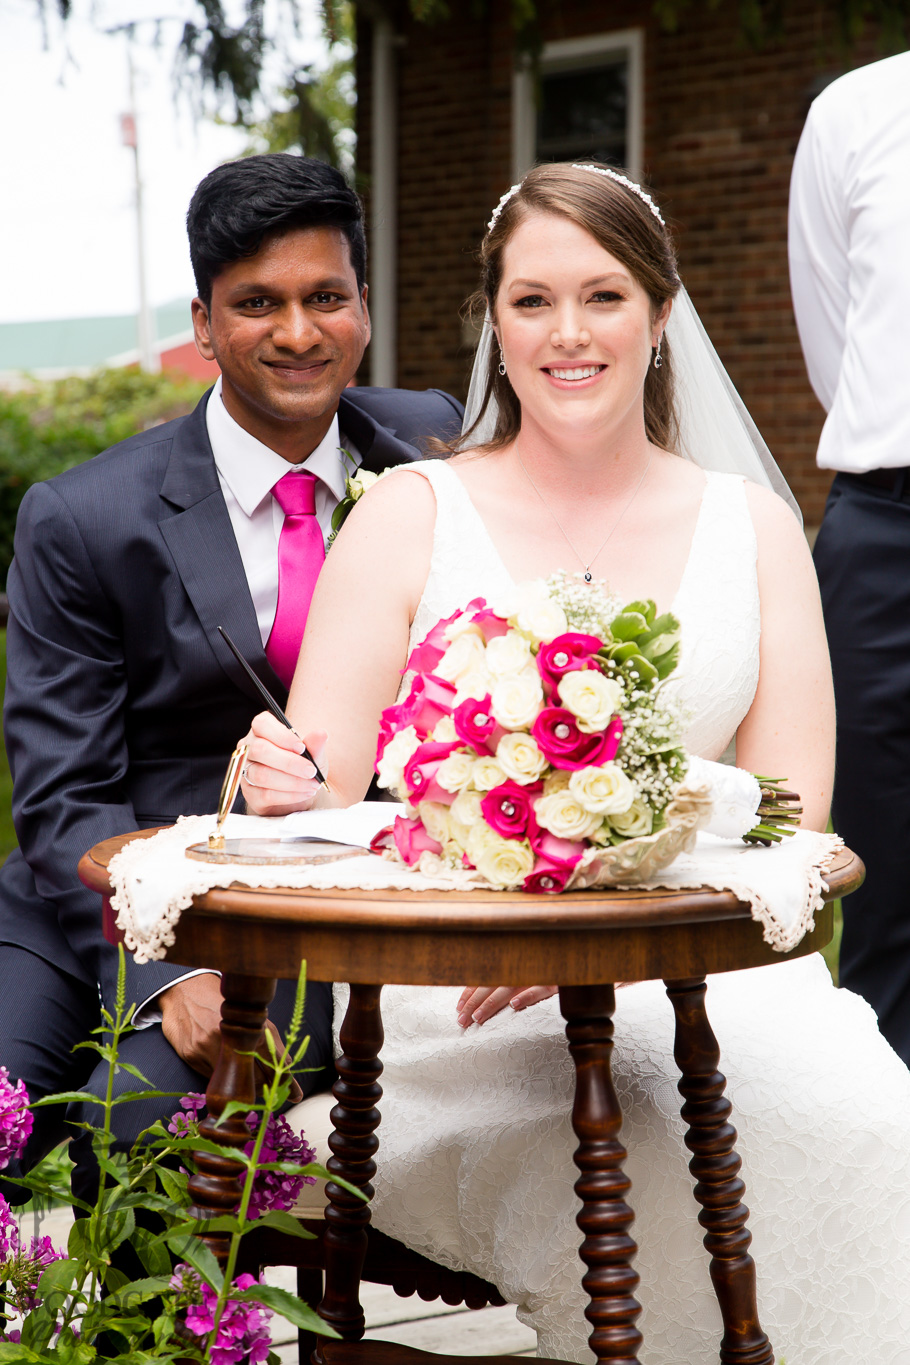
{"type": "Point", "coordinates": [538, 745]}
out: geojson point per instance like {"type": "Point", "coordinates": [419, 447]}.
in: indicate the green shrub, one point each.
{"type": "Point", "coordinates": [50, 427]}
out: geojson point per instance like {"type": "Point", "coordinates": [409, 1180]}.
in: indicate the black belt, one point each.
{"type": "Point", "coordinates": [894, 481]}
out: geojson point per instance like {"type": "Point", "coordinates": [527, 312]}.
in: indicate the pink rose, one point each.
{"type": "Point", "coordinates": [411, 839]}
{"type": "Point", "coordinates": [421, 769]}
{"type": "Point", "coordinates": [556, 861]}
{"type": "Point", "coordinates": [474, 724]}
{"type": "Point", "coordinates": [487, 622]}
{"type": "Point", "coordinates": [565, 654]}
{"type": "Point", "coordinates": [429, 699]}
{"type": "Point", "coordinates": [425, 656]}
{"type": "Point", "coordinates": [509, 810]}
{"type": "Point", "coordinates": [565, 746]}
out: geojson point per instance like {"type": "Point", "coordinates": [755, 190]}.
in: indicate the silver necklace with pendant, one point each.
{"type": "Point", "coordinates": [590, 564]}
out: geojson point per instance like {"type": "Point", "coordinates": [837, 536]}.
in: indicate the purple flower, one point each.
{"type": "Point", "coordinates": [15, 1118]}
{"type": "Point", "coordinates": [243, 1334]}
{"type": "Point", "coordinates": [181, 1125]}
{"type": "Point", "coordinates": [9, 1232]}
{"type": "Point", "coordinates": [40, 1254]}
{"type": "Point", "coordinates": [277, 1189]}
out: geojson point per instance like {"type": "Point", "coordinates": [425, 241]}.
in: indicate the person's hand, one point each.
{"type": "Point", "coordinates": [277, 779]}
{"type": "Point", "coordinates": [191, 1019]}
{"type": "Point", "coordinates": [477, 1004]}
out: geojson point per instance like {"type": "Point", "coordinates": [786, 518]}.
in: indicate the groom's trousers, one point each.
{"type": "Point", "coordinates": [862, 557]}
{"type": "Point", "coordinates": [44, 1012]}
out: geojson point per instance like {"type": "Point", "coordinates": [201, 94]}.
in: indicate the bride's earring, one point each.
{"type": "Point", "coordinates": [502, 362]}
{"type": "Point", "coordinates": [657, 361]}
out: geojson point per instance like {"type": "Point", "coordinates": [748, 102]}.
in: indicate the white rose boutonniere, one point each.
{"type": "Point", "coordinates": [357, 483]}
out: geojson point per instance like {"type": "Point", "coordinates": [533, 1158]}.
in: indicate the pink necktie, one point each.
{"type": "Point", "coordinates": [301, 554]}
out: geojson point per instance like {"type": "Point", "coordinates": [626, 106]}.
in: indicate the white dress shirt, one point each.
{"type": "Point", "coordinates": [850, 264]}
{"type": "Point", "coordinates": [247, 472]}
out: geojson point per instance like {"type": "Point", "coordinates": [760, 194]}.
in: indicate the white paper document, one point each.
{"type": "Point", "coordinates": [356, 825]}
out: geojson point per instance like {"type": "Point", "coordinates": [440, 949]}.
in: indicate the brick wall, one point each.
{"type": "Point", "coordinates": [721, 127]}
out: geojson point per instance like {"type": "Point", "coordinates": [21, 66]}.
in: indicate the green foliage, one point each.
{"type": "Point", "coordinates": [48, 428]}
{"type": "Point", "coordinates": [67, 1318]}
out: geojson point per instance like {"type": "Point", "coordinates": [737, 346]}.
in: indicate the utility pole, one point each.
{"type": "Point", "coordinates": [148, 355]}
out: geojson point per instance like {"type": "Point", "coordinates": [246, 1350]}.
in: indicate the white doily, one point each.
{"type": "Point", "coordinates": [154, 881]}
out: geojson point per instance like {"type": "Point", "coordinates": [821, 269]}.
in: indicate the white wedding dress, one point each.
{"type": "Point", "coordinates": [475, 1157]}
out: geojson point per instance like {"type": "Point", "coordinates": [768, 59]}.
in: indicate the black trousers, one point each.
{"type": "Point", "coordinates": [44, 1012]}
{"type": "Point", "coordinates": [863, 561]}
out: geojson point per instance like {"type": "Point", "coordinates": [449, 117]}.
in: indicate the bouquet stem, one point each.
{"type": "Point", "coordinates": [779, 812]}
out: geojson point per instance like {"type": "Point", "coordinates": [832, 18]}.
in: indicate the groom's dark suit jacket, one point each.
{"type": "Point", "coordinates": [123, 702]}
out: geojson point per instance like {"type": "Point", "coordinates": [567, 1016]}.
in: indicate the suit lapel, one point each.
{"type": "Point", "coordinates": [199, 535]}
{"type": "Point", "coordinates": [379, 447]}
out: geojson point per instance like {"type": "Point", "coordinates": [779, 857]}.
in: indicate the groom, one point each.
{"type": "Point", "coordinates": [123, 702]}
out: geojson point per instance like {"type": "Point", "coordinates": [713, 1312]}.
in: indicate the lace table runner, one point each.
{"type": "Point", "coordinates": [154, 881]}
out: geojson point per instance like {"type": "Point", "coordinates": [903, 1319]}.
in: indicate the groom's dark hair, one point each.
{"type": "Point", "coordinates": [238, 205]}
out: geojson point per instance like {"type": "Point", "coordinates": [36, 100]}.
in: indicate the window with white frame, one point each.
{"type": "Point", "coordinates": [585, 103]}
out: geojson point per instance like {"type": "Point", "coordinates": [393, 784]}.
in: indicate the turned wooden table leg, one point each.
{"type": "Point", "coordinates": [354, 1143]}
{"type": "Point", "coordinates": [715, 1166]}
{"type": "Point", "coordinates": [607, 1249]}
{"type": "Point", "coordinates": [217, 1185]}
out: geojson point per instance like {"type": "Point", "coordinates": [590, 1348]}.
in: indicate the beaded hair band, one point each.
{"type": "Point", "coordinates": [598, 170]}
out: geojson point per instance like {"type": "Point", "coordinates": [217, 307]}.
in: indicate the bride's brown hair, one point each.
{"type": "Point", "coordinates": [620, 221]}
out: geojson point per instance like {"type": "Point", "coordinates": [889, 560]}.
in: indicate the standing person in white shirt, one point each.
{"type": "Point", "coordinates": [850, 277]}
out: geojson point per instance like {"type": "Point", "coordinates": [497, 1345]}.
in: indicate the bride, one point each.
{"type": "Point", "coordinates": [575, 465]}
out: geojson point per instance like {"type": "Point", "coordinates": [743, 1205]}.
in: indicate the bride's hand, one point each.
{"type": "Point", "coordinates": [277, 779]}
{"type": "Point", "coordinates": [477, 1004]}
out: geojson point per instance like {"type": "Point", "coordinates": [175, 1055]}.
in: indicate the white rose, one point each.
{"type": "Point", "coordinates": [465, 809]}
{"type": "Point", "coordinates": [487, 774]}
{"type": "Point", "coordinates": [508, 654]}
{"type": "Point", "coordinates": [444, 732]}
{"type": "Point", "coordinates": [543, 620]}
{"type": "Point", "coordinates": [635, 821]}
{"type": "Point", "coordinates": [477, 684]}
{"type": "Point", "coordinates": [564, 815]}
{"type": "Point", "coordinates": [395, 758]}
{"type": "Point", "coordinates": [592, 698]}
{"type": "Point", "coordinates": [504, 862]}
{"type": "Point", "coordinates": [480, 838]}
{"type": "Point", "coordinates": [462, 625]}
{"type": "Point", "coordinates": [436, 821]}
{"type": "Point", "coordinates": [517, 699]}
{"type": "Point", "coordinates": [464, 655]}
{"type": "Point", "coordinates": [556, 781]}
{"type": "Point", "coordinates": [361, 482]}
{"type": "Point", "coordinates": [454, 773]}
{"type": "Point", "coordinates": [605, 790]}
{"type": "Point", "coordinates": [520, 759]}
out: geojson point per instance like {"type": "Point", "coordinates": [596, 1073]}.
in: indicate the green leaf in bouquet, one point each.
{"type": "Point", "coordinates": [288, 1305]}
{"type": "Point", "coordinates": [629, 625]}
{"type": "Point", "coordinates": [195, 1252]}
{"type": "Point", "coordinates": [645, 608]}
{"type": "Point", "coordinates": [77, 1244]}
{"type": "Point", "coordinates": [174, 1184]}
{"type": "Point", "coordinates": [57, 1281]}
{"type": "Point", "coordinates": [666, 663]}
{"type": "Point", "coordinates": [225, 1222]}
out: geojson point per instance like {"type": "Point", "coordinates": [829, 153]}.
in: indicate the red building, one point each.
{"type": "Point", "coordinates": [448, 118]}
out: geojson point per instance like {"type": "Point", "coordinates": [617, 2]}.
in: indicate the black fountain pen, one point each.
{"type": "Point", "coordinates": [269, 700]}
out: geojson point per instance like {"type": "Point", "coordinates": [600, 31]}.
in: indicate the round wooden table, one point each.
{"type": "Point", "coordinates": [587, 940]}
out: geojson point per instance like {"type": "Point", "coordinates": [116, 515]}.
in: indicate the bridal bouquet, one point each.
{"type": "Point", "coordinates": [536, 736]}
{"type": "Point", "coordinates": [538, 746]}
